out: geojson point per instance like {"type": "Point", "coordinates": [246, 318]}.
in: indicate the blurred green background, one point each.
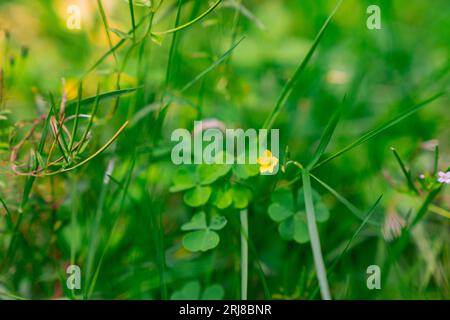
{"type": "Point", "coordinates": [132, 239]}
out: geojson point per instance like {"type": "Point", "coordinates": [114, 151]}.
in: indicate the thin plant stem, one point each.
{"type": "Point", "coordinates": [244, 253]}
{"type": "Point", "coordinates": [133, 23]}
{"type": "Point", "coordinates": [314, 237]}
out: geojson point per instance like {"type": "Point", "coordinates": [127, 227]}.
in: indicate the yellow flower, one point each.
{"type": "Point", "coordinates": [267, 162]}
{"type": "Point", "coordinates": [71, 89]}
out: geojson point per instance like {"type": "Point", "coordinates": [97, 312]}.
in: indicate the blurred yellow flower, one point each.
{"type": "Point", "coordinates": [71, 89]}
{"type": "Point", "coordinates": [267, 162]}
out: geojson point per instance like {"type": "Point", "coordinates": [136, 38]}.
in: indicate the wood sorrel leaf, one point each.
{"type": "Point", "coordinates": [197, 196]}
{"type": "Point", "coordinates": [198, 222]}
{"type": "Point", "coordinates": [217, 222]}
{"type": "Point", "coordinates": [203, 240]}
{"type": "Point", "coordinates": [278, 212]}
{"type": "Point", "coordinates": [223, 198]}
{"type": "Point", "coordinates": [241, 196]}
{"type": "Point", "coordinates": [183, 180]}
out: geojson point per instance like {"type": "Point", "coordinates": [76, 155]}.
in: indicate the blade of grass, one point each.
{"type": "Point", "coordinates": [289, 86]}
{"type": "Point", "coordinates": [101, 97]}
{"type": "Point", "coordinates": [91, 120]}
{"type": "Point", "coordinates": [400, 243]}
{"type": "Point", "coordinates": [58, 131]}
{"type": "Point", "coordinates": [355, 234]}
{"type": "Point", "coordinates": [188, 24]}
{"type": "Point", "coordinates": [326, 136]}
{"type": "Point", "coordinates": [436, 160]}
{"type": "Point", "coordinates": [162, 110]}
{"type": "Point", "coordinates": [112, 50]}
{"type": "Point", "coordinates": [244, 253]}
{"type": "Point", "coordinates": [211, 67]}
{"type": "Point", "coordinates": [424, 208]}
{"type": "Point", "coordinates": [8, 213]}
{"type": "Point", "coordinates": [106, 26]}
{"type": "Point", "coordinates": [11, 296]}
{"type": "Point", "coordinates": [75, 122]}
{"type": "Point", "coordinates": [94, 236]}
{"type": "Point", "coordinates": [314, 237]}
{"type": "Point", "coordinates": [133, 23]}
{"type": "Point", "coordinates": [361, 226]}
{"type": "Point", "coordinates": [405, 171]}
{"type": "Point", "coordinates": [358, 213]}
{"type": "Point", "coordinates": [372, 133]}
{"type": "Point", "coordinates": [173, 45]}
{"type": "Point", "coordinates": [106, 145]}
{"type": "Point", "coordinates": [124, 188]}
{"type": "Point", "coordinates": [27, 190]}
{"type": "Point", "coordinates": [250, 243]}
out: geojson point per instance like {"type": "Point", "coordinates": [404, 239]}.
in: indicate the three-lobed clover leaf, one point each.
{"type": "Point", "coordinates": [245, 171]}
{"type": "Point", "coordinates": [292, 217]}
{"type": "Point", "coordinates": [236, 194]}
{"type": "Point", "coordinates": [192, 291]}
{"type": "Point", "coordinates": [196, 180]}
{"type": "Point", "coordinates": [202, 236]}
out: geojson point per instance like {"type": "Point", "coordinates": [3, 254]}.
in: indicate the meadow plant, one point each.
{"type": "Point", "coordinates": [154, 172]}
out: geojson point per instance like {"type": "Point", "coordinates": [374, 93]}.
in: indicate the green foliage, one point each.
{"type": "Point", "coordinates": [290, 213]}
{"type": "Point", "coordinates": [192, 291]}
{"type": "Point", "coordinates": [202, 236]}
{"type": "Point", "coordinates": [86, 176]}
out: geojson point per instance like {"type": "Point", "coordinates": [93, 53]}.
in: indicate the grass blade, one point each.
{"type": "Point", "coordinates": [347, 246]}
{"type": "Point", "coordinates": [91, 119]}
{"type": "Point", "coordinates": [436, 160]}
{"type": "Point", "coordinates": [212, 66]}
{"type": "Point", "coordinates": [77, 112]}
{"type": "Point", "coordinates": [112, 50]}
{"type": "Point", "coordinates": [106, 145]}
{"type": "Point", "coordinates": [361, 226]}
{"type": "Point", "coordinates": [314, 237]}
{"type": "Point", "coordinates": [188, 24]}
{"type": "Point", "coordinates": [133, 23]}
{"type": "Point", "coordinates": [380, 129]}
{"type": "Point", "coordinates": [27, 189]}
{"type": "Point", "coordinates": [326, 137]}
{"type": "Point", "coordinates": [172, 49]}
{"type": "Point", "coordinates": [358, 213]}
{"type": "Point", "coordinates": [106, 26]}
{"type": "Point", "coordinates": [58, 130]}
{"type": "Point", "coordinates": [405, 171]}
{"type": "Point", "coordinates": [244, 253]}
{"type": "Point", "coordinates": [101, 97]}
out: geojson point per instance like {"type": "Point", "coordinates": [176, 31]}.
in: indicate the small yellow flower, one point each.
{"type": "Point", "coordinates": [267, 162]}
{"type": "Point", "coordinates": [71, 89]}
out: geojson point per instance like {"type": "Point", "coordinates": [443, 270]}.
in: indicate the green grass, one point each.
{"type": "Point", "coordinates": [86, 176]}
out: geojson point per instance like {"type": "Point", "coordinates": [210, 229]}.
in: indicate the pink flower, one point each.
{"type": "Point", "coordinates": [444, 177]}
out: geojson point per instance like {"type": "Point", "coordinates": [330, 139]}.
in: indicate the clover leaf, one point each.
{"type": "Point", "coordinates": [197, 196]}
{"type": "Point", "coordinates": [244, 171]}
{"type": "Point", "coordinates": [241, 171]}
{"type": "Point", "coordinates": [292, 217]}
{"type": "Point", "coordinates": [241, 196]}
{"type": "Point", "coordinates": [237, 195]}
{"type": "Point", "coordinates": [202, 236]}
{"type": "Point", "coordinates": [192, 291]}
{"type": "Point", "coordinates": [196, 181]}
